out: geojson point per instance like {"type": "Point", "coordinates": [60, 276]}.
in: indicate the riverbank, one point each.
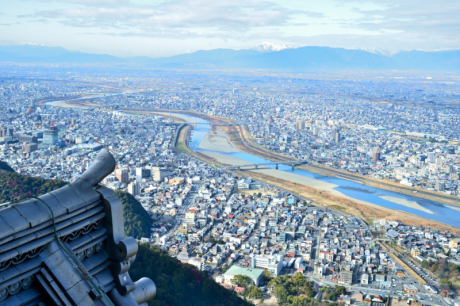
{"type": "Point", "coordinates": [183, 146]}
{"type": "Point", "coordinates": [361, 209]}
{"type": "Point", "coordinates": [383, 184]}
{"type": "Point", "coordinates": [335, 196]}
{"type": "Point", "coordinates": [44, 101]}
{"type": "Point", "coordinates": [247, 144]}
{"type": "Point", "coordinates": [325, 194]}
{"type": "Point", "coordinates": [243, 141]}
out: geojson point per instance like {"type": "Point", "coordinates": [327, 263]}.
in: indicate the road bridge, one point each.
{"type": "Point", "coordinates": [201, 123]}
{"type": "Point", "coordinates": [292, 163]}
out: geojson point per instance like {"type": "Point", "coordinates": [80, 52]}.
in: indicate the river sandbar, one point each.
{"type": "Point", "coordinates": [182, 117]}
{"type": "Point", "coordinates": [406, 203]}
{"type": "Point", "coordinates": [289, 176]}
{"type": "Point", "coordinates": [218, 141]}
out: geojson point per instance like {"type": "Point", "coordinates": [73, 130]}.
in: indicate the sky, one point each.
{"type": "Point", "coordinates": [158, 28]}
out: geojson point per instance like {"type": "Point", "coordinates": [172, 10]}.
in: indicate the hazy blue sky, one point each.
{"type": "Point", "coordinates": [161, 28]}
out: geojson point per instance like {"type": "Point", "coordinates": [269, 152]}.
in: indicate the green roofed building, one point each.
{"type": "Point", "coordinates": [254, 273]}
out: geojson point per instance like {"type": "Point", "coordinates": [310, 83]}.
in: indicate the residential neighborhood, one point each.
{"type": "Point", "coordinates": [229, 224]}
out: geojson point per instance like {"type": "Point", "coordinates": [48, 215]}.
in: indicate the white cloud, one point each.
{"type": "Point", "coordinates": [422, 20]}
{"type": "Point", "coordinates": [205, 24]}
{"type": "Point", "coordinates": [87, 2]}
{"type": "Point", "coordinates": [197, 17]}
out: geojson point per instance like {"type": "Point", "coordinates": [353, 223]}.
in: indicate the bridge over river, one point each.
{"type": "Point", "coordinates": [292, 163]}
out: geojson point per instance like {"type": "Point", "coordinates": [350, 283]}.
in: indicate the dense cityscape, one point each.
{"type": "Point", "coordinates": [229, 224]}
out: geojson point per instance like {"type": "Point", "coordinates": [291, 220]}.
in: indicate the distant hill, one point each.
{"type": "Point", "coordinates": [293, 59]}
{"type": "Point", "coordinates": [4, 166]}
{"type": "Point", "coordinates": [52, 55]}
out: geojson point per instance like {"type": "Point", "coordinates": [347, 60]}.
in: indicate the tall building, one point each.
{"type": "Point", "coordinates": [142, 173]}
{"type": "Point", "coordinates": [440, 186]}
{"type": "Point", "coordinates": [269, 263]}
{"type": "Point", "coordinates": [50, 136]}
{"type": "Point", "coordinates": [158, 174]}
{"type": "Point", "coordinates": [431, 157]}
{"type": "Point", "coordinates": [277, 216]}
{"type": "Point", "coordinates": [439, 161]}
{"type": "Point", "coordinates": [10, 131]}
{"type": "Point", "coordinates": [29, 147]}
{"type": "Point", "coordinates": [122, 175]}
{"type": "Point", "coordinates": [282, 237]}
{"type": "Point", "coordinates": [27, 138]}
{"type": "Point", "coordinates": [190, 218]}
{"type": "Point", "coordinates": [134, 188]}
{"type": "Point", "coordinates": [300, 125]}
{"type": "Point", "coordinates": [376, 154]}
{"type": "Point", "coordinates": [336, 135]}
{"type": "Point", "coordinates": [315, 130]}
{"type": "Point", "coordinates": [6, 132]}
{"type": "Point", "coordinates": [346, 277]}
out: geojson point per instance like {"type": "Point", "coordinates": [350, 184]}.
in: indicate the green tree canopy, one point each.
{"type": "Point", "coordinates": [299, 280]}
{"type": "Point", "coordinates": [137, 219]}
{"type": "Point", "coordinates": [281, 293]}
{"type": "Point", "coordinates": [241, 281]}
{"type": "Point", "coordinates": [254, 292]}
{"type": "Point", "coordinates": [179, 284]}
{"type": "Point", "coordinates": [267, 275]}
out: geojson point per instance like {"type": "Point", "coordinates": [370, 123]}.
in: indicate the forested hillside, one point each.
{"type": "Point", "coordinates": [137, 220]}
{"type": "Point", "coordinates": [15, 186]}
{"type": "Point", "coordinates": [179, 284]}
{"type": "Point", "coordinates": [5, 166]}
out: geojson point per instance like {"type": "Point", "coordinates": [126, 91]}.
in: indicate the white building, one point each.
{"type": "Point", "coordinates": [134, 188]}
{"type": "Point", "coordinates": [269, 263]}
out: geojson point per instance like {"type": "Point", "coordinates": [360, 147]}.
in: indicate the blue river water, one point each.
{"type": "Point", "coordinates": [92, 96]}
{"type": "Point", "coordinates": [440, 212]}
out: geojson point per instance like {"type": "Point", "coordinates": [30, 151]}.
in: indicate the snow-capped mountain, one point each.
{"type": "Point", "coordinates": [378, 51]}
{"type": "Point", "coordinates": [269, 47]}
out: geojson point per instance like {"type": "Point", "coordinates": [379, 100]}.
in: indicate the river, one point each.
{"type": "Point", "coordinates": [91, 96]}
{"type": "Point", "coordinates": [421, 207]}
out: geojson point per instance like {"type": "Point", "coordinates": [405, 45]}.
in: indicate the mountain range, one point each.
{"type": "Point", "coordinates": [265, 57]}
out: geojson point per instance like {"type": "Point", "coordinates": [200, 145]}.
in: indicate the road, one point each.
{"type": "Point", "coordinates": [424, 295]}
{"type": "Point", "coordinates": [426, 298]}
{"type": "Point", "coordinates": [177, 221]}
